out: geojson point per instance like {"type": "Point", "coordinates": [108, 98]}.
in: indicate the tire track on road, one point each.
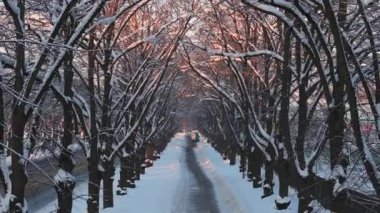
{"type": "Point", "coordinates": [202, 195]}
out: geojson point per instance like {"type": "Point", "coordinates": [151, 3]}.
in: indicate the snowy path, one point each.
{"type": "Point", "coordinates": [196, 191]}
{"type": "Point", "coordinates": [187, 180]}
{"type": "Point", "coordinates": [195, 180]}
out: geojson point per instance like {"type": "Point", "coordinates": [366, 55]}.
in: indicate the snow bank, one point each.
{"type": "Point", "coordinates": [233, 193]}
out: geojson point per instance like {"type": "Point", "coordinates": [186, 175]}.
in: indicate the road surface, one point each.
{"type": "Point", "coordinates": [196, 192]}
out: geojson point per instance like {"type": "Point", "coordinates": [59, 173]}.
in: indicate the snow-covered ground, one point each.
{"type": "Point", "coordinates": [154, 192]}
{"type": "Point", "coordinates": [233, 193]}
{"type": "Point", "coordinates": [156, 189]}
{"type": "Point", "coordinates": [166, 186]}
{"type": "Point", "coordinates": [357, 178]}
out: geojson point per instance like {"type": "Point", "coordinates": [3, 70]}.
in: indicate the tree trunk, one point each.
{"type": "Point", "coordinates": [268, 182]}
{"type": "Point", "coordinates": [142, 159]}
{"type": "Point", "coordinates": [18, 176]}
{"type": "Point", "coordinates": [149, 155]}
{"type": "Point", "coordinates": [122, 186]}
{"type": "Point", "coordinates": [284, 138]}
{"type": "Point", "coordinates": [270, 110]}
{"type": "Point", "coordinates": [106, 134]}
{"type": "Point", "coordinates": [306, 194]}
{"type": "Point", "coordinates": [19, 120]}
{"type": "Point", "coordinates": [65, 185]}
{"type": "Point", "coordinates": [107, 139]}
{"type": "Point", "coordinates": [136, 165]}
{"type": "Point", "coordinates": [337, 111]}
{"type": "Point", "coordinates": [256, 168]}
{"type": "Point", "coordinates": [302, 107]}
{"type": "Point", "coordinates": [232, 154]}
{"type": "Point", "coordinates": [2, 143]}
{"type": "Point", "coordinates": [243, 161]}
{"type": "Point", "coordinates": [283, 174]}
{"type": "Point", "coordinates": [108, 185]}
{"type": "Point", "coordinates": [94, 178]}
{"type": "Point", "coordinates": [345, 77]}
{"type": "Point", "coordinates": [130, 173]}
{"type": "Point", "coordinates": [250, 165]}
{"type": "Point", "coordinates": [94, 175]}
{"type": "Point", "coordinates": [64, 194]}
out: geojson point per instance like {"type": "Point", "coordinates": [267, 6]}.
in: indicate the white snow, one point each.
{"type": "Point", "coordinates": [62, 176]}
{"type": "Point", "coordinates": [283, 200]}
{"type": "Point", "coordinates": [317, 207]}
{"type": "Point", "coordinates": [245, 54]}
{"type": "Point", "coordinates": [40, 154]}
{"type": "Point", "coordinates": [357, 179]}
{"type": "Point", "coordinates": [302, 172]}
{"type": "Point", "coordinates": [106, 20]}
{"type": "Point", "coordinates": [338, 188]}
{"type": "Point", "coordinates": [156, 189]}
{"type": "Point", "coordinates": [233, 193]}
{"type": "Point", "coordinates": [338, 171]}
{"type": "Point", "coordinates": [162, 188]}
{"type": "Point", "coordinates": [101, 168]}
{"type": "Point", "coordinates": [4, 200]}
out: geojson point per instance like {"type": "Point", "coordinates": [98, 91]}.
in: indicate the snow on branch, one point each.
{"type": "Point", "coordinates": [245, 54]}
{"type": "Point", "coordinates": [50, 73]}
{"type": "Point", "coordinates": [215, 86]}
{"type": "Point", "coordinates": [16, 12]}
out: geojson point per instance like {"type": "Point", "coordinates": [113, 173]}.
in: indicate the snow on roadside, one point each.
{"type": "Point", "coordinates": [154, 192]}
{"type": "Point", "coordinates": [156, 189]}
{"type": "Point", "coordinates": [233, 193]}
